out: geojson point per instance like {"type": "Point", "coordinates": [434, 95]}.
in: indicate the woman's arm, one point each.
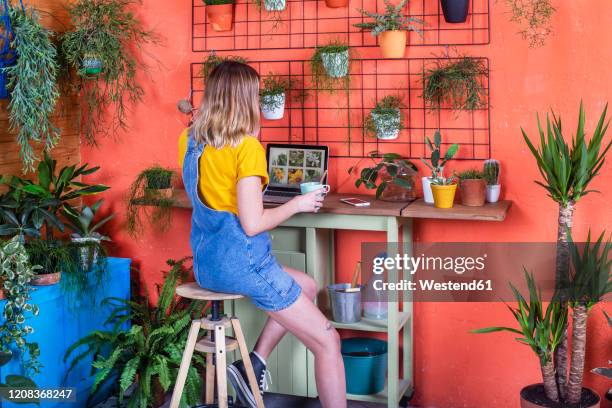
{"type": "Point", "coordinates": [254, 218]}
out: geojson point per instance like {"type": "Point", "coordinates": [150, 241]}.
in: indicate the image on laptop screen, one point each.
{"type": "Point", "coordinates": [290, 166]}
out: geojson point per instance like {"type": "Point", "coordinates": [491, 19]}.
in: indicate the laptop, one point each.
{"type": "Point", "coordinates": [289, 165]}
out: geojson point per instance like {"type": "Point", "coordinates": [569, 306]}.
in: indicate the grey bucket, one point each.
{"type": "Point", "coordinates": [346, 306]}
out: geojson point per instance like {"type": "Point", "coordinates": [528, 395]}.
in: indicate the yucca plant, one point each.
{"type": "Point", "coordinates": [567, 171]}
{"type": "Point", "coordinates": [539, 328]}
{"type": "Point", "coordinates": [148, 354]}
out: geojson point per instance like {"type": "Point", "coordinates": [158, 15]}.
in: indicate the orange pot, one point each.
{"type": "Point", "coordinates": [393, 43]}
{"type": "Point", "coordinates": [473, 192]}
{"type": "Point", "coordinates": [220, 16]}
{"type": "Point", "coordinates": [336, 3]}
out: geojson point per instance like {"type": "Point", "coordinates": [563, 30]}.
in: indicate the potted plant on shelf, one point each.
{"type": "Point", "coordinates": [392, 176]}
{"type": "Point", "coordinates": [391, 28]}
{"type": "Point", "coordinates": [85, 233]}
{"type": "Point", "coordinates": [220, 14]}
{"type": "Point", "coordinates": [101, 47]}
{"type": "Point", "coordinates": [491, 173]}
{"type": "Point", "coordinates": [436, 164]}
{"type": "Point", "coordinates": [385, 120]}
{"type": "Point", "coordinates": [472, 185]}
{"type": "Point", "coordinates": [273, 96]}
{"type": "Point", "coordinates": [53, 256]}
{"type": "Point", "coordinates": [455, 11]}
{"type": "Point", "coordinates": [150, 349]}
{"type": "Point", "coordinates": [443, 190]}
{"type": "Point", "coordinates": [151, 193]}
{"type": "Point", "coordinates": [455, 83]}
{"type": "Point", "coordinates": [330, 66]}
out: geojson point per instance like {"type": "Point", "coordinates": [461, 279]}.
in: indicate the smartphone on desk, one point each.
{"type": "Point", "coordinates": [355, 202]}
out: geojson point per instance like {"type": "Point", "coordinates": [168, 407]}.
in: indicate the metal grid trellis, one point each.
{"type": "Point", "coordinates": [336, 120]}
{"type": "Point", "coordinates": [310, 23]}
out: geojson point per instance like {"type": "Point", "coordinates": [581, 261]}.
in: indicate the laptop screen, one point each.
{"type": "Point", "coordinates": [290, 165]}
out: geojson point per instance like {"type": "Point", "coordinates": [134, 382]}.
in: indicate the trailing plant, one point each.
{"type": "Point", "coordinates": [156, 208]}
{"type": "Point", "coordinates": [470, 174]}
{"type": "Point", "coordinates": [392, 20]}
{"type": "Point", "coordinates": [437, 159]}
{"type": "Point", "coordinates": [32, 83]}
{"type": "Point", "coordinates": [389, 115]}
{"type": "Point", "coordinates": [273, 86]}
{"type": "Point", "coordinates": [52, 256]}
{"type": "Point", "coordinates": [567, 170]}
{"type": "Point", "coordinates": [212, 60]}
{"type": "Point", "coordinates": [541, 329]}
{"type": "Point", "coordinates": [393, 165]}
{"type": "Point", "coordinates": [16, 271]}
{"type": "Point", "coordinates": [150, 350]}
{"type": "Point", "coordinates": [456, 83]}
{"type": "Point", "coordinates": [110, 30]}
{"type": "Point", "coordinates": [534, 17]}
{"type": "Point", "coordinates": [320, 77]}
{"type": "Point", "coordinates": [491, 172]}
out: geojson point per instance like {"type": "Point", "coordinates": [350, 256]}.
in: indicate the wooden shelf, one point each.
{"type": "Point", "coordinates": [373, 325]}
{"type": "Point", "coordinates": [381, 397]}
{"type": "Point", "coordinates": [488, 212]}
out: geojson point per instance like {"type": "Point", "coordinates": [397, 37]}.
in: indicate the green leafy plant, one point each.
{"type": "Point", "coordinates": [32, 82]}
{"type": "Point", "coordinates": [110, 30]}
{"type": "Point", "coordinates": [393, 19]}
{"type": "Point", "coordinates": [390, 168]}
{"type": "Point", "coordinates": [438, 160]}
{"type": "Point", "coordinates": [534, 17]}
{"type": "Point", "coordinates": [212, 60]}
{"type": "Point", "coordinates": [456, 83]}
{"type": "Point", "coordinates": [51, 255]}
{"type": "Point", "coordinates": [151, 349]}
{"type": "Point", "coordinates": [142, 200]}
{"type": "Point", "coordinates": [273, 86]}
{"type": "Point", "coordinates": [81, 221]}
{"type": "Point", "coordinates": [16, 272]}
{"type": "Point", "coordinates": [539, 328]}
{"type": "Point", "coordinates": [338, 63]}
{"type": "Point", "coordinates": [491, 170]}
{"type": "Point", "coordinates": [386, 117]}
{"type": "Point", "coordinates": [470, 174]}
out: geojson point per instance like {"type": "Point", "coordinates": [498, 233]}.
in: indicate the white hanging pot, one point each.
{"type": "Point", "coordinates": [273, 106]}
{"type": "Point", "coordinates": [387, 124]}
{"type": "Point", "coordinates": [336, 64]}
{"type": "Point", "coordinates": [427, 193]}
{"type": "Point", "coordinates": [275, 5]}
{"type": "Point", "coordinates": [493, 193]}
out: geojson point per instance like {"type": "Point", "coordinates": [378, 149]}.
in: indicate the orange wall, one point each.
{"type": "Point", "coordinates": [453, 368]}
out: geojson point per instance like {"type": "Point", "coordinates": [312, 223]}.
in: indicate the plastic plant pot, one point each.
{"type": "Point", "coordinates": [427, 194]}
{"type": "Point", "coordinates": [444, 196]}
{"type": "Point", "coordinates": [273, 106]}
{"type": "Point", "coordinates": [393, 43]}
{"type": "Point", "coordinates": [492, 193]}
{"type": "Point", "coordinates": [365, 365]}
{"type": "Point", "coordinates": [92, 65]}
{"type": "Point", "coordinates": [275, 5]}
{"type": "Point", "coordinates": [455, 11]}
{"type": "Point", "coordinates": [336, 3]}
{"type": "Point", "coordinates": [336, 64]}
{"type": "Point", "coordinates": [220, 16]}
{"type": "Point", "coordinates": [473, 192]}
{"type": "Point", "coordinates": [387, 124]}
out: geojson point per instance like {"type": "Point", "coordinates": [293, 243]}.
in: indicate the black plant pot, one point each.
{"type": "Point", "coordinates": [455, 11]}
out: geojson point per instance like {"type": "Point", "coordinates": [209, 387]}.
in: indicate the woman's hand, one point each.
{"type": "Point", "coordinates": [309, 202]}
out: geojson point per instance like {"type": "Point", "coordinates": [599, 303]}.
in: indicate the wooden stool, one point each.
{"type": "Point", "coordinates": [217, 344]}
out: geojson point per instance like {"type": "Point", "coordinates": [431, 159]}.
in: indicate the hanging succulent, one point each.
{"type": "Point", "coordinates": [100, 49]}
{"type": "Point", "coordinates": [32, 83]}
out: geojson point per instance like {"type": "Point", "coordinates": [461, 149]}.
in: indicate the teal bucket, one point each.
{"type": "Point", "coordinates": [365, 365]}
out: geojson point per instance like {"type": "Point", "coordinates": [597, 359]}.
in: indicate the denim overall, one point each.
{"type": "Point", "coordinates": [227, 260]}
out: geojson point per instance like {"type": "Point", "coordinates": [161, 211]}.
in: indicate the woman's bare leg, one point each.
{"type": "Point", "coordinates": [273, 333]}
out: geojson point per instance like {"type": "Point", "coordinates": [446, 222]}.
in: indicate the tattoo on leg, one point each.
{"type": "Point", "coordinates": [328, 326]}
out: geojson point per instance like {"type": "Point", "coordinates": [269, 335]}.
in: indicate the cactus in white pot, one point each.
{"type": "Point", "coordinates": [491, 173]}
{"type": "Point", "coordinates": [273, 96]}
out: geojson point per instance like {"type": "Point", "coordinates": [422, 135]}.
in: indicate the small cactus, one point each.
{"type": "Point", "coordinates": [491, 172]}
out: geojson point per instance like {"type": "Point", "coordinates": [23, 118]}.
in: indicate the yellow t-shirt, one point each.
{"type": "Point", "coordinates": [220, 170]}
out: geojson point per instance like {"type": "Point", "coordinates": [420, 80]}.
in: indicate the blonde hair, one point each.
{"type": "Point", "coordinates": [230, 108]}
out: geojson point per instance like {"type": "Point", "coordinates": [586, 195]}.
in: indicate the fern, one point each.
{"type": "Point", "coordinates": [129, 372]}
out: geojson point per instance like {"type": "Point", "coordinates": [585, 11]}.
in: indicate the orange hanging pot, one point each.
{"type": "Point", "coordinates": [336, 3]}
{"type": "Point", "coordinates": [220, 16]}
{"type": "Point", "coordinates": [393, 43]}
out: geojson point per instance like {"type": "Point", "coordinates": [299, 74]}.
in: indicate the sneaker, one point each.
{"type": "Point", "coordinates": [238, 377]}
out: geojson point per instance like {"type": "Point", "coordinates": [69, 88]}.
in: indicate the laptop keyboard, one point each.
{"type": "Point", "coordinates": [280, 194]}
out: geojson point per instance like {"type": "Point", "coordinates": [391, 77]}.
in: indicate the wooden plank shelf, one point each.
{"type": "Point", "coordinates": [488, 212]}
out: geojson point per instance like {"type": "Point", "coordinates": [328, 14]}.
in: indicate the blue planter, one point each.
{"type": "Point", "coordinates": [58, 326]}
{"type": "Point", "coordinates": [365, 365]}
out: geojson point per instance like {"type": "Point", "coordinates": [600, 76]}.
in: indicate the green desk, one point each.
{"type": "Point", "coordinates": [306, 242]}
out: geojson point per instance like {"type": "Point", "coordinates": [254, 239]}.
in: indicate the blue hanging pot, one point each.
{"type": "Point", "coordinates": [455, 11]}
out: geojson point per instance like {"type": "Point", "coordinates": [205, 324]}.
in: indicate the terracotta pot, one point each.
{"type": "Point", "coordinates": [393, 43]}
{"type": "Point", "coordinates": [46, 279]}
{"type": "Point", "coordinates": [444, 196]}
{"type": "Point", "coordinates": [532, 396]}
{"type": "Point", "coordinates": [220, 16]}
{"type": "Point", "coordinates": [473, 192]}
{"type": "Point", "coordinates": [336, 3]}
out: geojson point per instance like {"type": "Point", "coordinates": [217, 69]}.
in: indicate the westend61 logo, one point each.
{"type": "Point", "coordinates": [405, 262]}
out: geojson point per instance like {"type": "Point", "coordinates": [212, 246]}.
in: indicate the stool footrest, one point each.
{"type": "Point", "coordinates": [208, 346]}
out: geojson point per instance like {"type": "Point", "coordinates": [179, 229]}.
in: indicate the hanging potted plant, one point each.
{"type": "Point", "coordinates": [391, 28]}
{"type": "Point", "coordinates": [273, 96]}
{"type": "Point", "coordinates": [392, 176]}
{"type": "Point", "coordinates": [330, 67]}
{"type": "Point", "coordinates": [102, 50]}
{"type": "Point", "coordinates": [455, 83]}
{"type": "Point", "coordinates": [385, 120]}
{"type": "Point", "coordinates": [472, 185]}
{"type": "Point", "coordinates": [455, 11]}
{"type": "Point", "coordinates": [491, 173]}
{"type": "Point", "coordinates": [220, 14]}
{"type": "Point", "coordinates": [436, 164]}
{"type": "Point", "coordinates": [213, 59]}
